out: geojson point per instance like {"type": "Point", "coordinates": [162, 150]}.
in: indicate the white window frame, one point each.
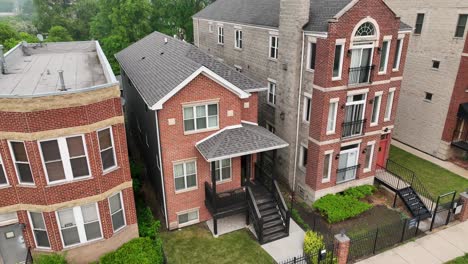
{"type": "Point", "coordinates": [398, 58]}
{"type": "Point", "coordinates": [309, 53]}
{"type": "Point", "coordinates": [189, 222]}
{"type": "Point", "coordinates": [2, 164]}
{"type": "Point", "coordinates": [157, 162]}
{"type": "Point", "coordinates": [389, 105]}
{"type": "Point", "coordinates": [113, 149]}
{"type": "Point", "coordinates": [275, 47]}
{"type": "Point", "coordinates": [220, 34]}
{"type": "Point", "coordinates": [333, 101]}
{"type": "Point", "coordinates": [306, 109]}
{"type": "Point", "coordinates": [302, 150]}
{"type": "Point", "coordinates": [387, 39]}
{"type": "Point", "coordinates": [79, 223]}
{"type": "Point", "coordinates": [371, 160]}
{"type": "Point", "coordinates": [220, 162]}
{"type": "Point", "coordinates": [377, 114]}
{"type": "Point", "coordinates": [330, 162]}
{"type": "Point", "coordinates": [123, 212]}
{"type": "Point", "coordinates": [34, 228]}
{"type": "Point", "coordinates": [339, 42]}
{"type": "Point", "coordinates": [210, 27]}
{"type": "Point", "coordinates": [270, 127]}
{"type": "Point", "coordinates": [21, 162]}
{"type": "Point", "coordinates": [238, 38]}
{"type": "Point", "coordinates": [184, 164]}
{"type": "Point", "coordinates": [194, 109]}
{"type": "Point", "coordinates": [272, 84]}
{"type": "Point", "coordinates": [65, 158]}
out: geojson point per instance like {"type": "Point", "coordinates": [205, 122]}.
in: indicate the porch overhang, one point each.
{"type": "Point", "coordinates": [240, 140]}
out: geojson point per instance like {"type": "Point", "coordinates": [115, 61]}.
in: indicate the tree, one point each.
{"type": "Point", "coordinates": [10, 38]}
{"type": "Point", "coordinates": [83, 12]}
{"type": "Point", "coordinates": [6, 32]}
{"type": "Point", "coordinates": [120, 23]}
{"type": "Point", "coordinates": [57, 34]}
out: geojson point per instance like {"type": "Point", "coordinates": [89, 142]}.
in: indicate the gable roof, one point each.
{"type": "Point", "coordinates": [266, 12]}
{"type": "Point", "coordinates": [157, 69]}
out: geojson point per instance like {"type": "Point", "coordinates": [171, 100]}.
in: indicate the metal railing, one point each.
{"type": "Point", "coordinates": [283, 208]}
{"type": "Point", "coordinates": [353, 128]}
{"type": "Point", "coordinates": [360, 75]}
{"type": "Point", "coordinates": [346, 174]}
{"type": "Point", "coordinates": [29, 258]}
{"type": "Point", "coordinates": [226, 199]}
{"type": "Point", "coordinates": [254, 214]}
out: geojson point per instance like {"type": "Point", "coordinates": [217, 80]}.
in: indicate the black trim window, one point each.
{"type": "Point", "coordinates": [338, 60]}
{"type": "Point", "coordinates": [312, 55]}
{"type": "Point", "coordinates": [220, 35]}
{"type": "Point", "coordinates": [274, 47]}
{"type": "Point", "coordinates": [271, 92]}
{"type": "Point", "coordinates": [419, 23]}
{"type": "Point", "coordinates": [238, 39]}
{"type": "Point", "coordinates": [461, 26]}
{"type": "Point", "coordinates": [384, 56]}
{"type": "Point", "coordinates": [396, 61]}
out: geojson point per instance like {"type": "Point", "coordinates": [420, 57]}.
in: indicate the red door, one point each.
{"type": "Point", "coordinates": [381, 156]}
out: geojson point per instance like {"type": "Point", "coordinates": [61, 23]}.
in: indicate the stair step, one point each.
{"type": "Point", "coordinates": [272, 230]}
{"type": "Point", "coordinates": [274, 237]}
{"type": "Point", "coordinates": [264, 201]}
{"type": "Point", "coordinates": [272, 223]}
{"type": "Point", "coordinates": [270, 218]}
{"type": "Point", "coordinates": [268, 212]}
{"type": "Point", "coordinates": [266, 206]}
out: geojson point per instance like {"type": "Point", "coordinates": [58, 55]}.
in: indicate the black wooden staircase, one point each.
{"type": "Point", "coordinates": [414, 204]}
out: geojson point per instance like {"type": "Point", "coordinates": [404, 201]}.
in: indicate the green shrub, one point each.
{"type": "Point", "coordinates": [136, 168]}
{"type": "Point", "coordinates": [313, 242]}
{"type": "Point", "coordinates": [337, 208]}
{"type": "Point", "coordinates": [147, 225]}
{"type": "Point", "coordinates": [50, 259]}
{"type": "Point", "coordinates": [142, 250]}
{"type": "Point", "coordinates": [297, 217]}
{"type": "Point", "coordinates": [360, 192]}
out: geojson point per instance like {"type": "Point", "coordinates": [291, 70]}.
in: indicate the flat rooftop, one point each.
{"type": "Point", "coordinates": [33, 69]}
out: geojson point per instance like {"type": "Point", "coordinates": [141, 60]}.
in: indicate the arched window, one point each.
{"type": "Point", "coordinates": [365, 30]}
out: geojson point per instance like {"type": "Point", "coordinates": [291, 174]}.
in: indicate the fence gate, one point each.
{"type": "Point", "coordinates": [326, 255]}
{"type": "Point", "coordinates": [444, 210]}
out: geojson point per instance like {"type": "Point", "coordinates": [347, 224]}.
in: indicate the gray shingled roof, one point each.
{"type": "Point", "coordinates": [239, 141]}
{"type": "Point", "coordinates": [156, 67]}
{"type": "Point", "coordinates": [266, 12]}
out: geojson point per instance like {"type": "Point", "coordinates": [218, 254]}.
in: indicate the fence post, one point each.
{"type": "Point", "coordinates": [463, 215]}
{"type": "Point", "coordinates": [375, 241]}
{"type": "Point", "coordinates": [343, 242]}
{"type": "Point", "coordinates": [404, 229]}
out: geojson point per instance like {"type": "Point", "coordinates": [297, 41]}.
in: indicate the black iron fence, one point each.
{"type": "Point", "coordinates": [358, 75]}
{"type": "Point", "coordinates": [353, 128]}
{"type": "Point", "coordinates": [326, 255]}
{"type": "Point", "coordinates": [29, 258]}
{"type": "Point", "coordinates": [346, 174]}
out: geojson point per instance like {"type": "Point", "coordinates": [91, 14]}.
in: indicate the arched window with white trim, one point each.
{"type": "Point", "coordinates": [365, 30]}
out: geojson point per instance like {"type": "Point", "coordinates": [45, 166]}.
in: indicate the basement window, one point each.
{"type": "Point", "coordinates": [428, 97]}
{"type": "Point", "coordinates": [435, 64]}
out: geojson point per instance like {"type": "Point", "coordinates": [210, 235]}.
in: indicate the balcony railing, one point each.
{"type": "Point", "coordinates": [460, 139]}
{"type": "Point", "coordinates": [361, 75]}
{"type": "Point", "coordinates": [225, 201]}
{"type": "Point", "coordinates": [346, 174]}
{"type": "Point", "coordinates": [353, 128]}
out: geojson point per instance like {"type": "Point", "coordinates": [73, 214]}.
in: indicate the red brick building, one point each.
{"type": "Point", "coordinates": [196, 120]}
{"type": "Point", "coordinates": [334, 71]}
{"type": "Point", "coordinates": [65, 183]}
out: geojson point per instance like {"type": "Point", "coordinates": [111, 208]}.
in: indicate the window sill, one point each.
{"type": "Point", "coordinates": [238, 49]}
{"type": "Point", "coordinates": [336, 78]}
{"type": "Point", "coordinates": [187, 190]}
{"type": "Point", "coordinates": [42, 249]}
{"type": "Point", "coordinates": [120, 229]}
{"type": "Point", "coordinates": [53, 184]}
{"type": "Point", "coordinates": [325, 180]}
{"type": "Point", "coordinates": [328, 133]}
{"type": "Point", "coordinates": [395, 70]}
{"type": "Point", "coordinates": [272, 105]}
{"type": "Point", "coordinates": [386, 120]}
{"type": "Point", "coordinates": [302, 168]}
{"type": "Point", "coordinates": [382, 73]}
{"type": "Point", "coordinates": [272, 59]}
{"type": "Point", "coordinates": [305, 122]}
{"type": "Point", "coordinates": [224, 181]}
{"type": "Point", "coordinates": [373, 124]}
{"type": "Point", "coordinates": [84, 243]}
{"type": "Point", "coordinates": [5, 186]}
{"type": "Point", "coordinates": [26, 185]}
{"type": "Point", "coordinates": [188, 223]}
{"type": "Point", "coordinates": [366, 170]}
{"type": "Point", "coordinates": [201, 130]}
{"type": "Point", "coordinates": [109, 170]}
{"type": "Point", "coordinates": [221, 44]}
{"type": "Point", "coordinates": [427, 101]}
{"type": "Point", "coordinates": [310, 70]}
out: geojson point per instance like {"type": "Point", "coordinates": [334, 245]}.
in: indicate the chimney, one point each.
{"type": "Point", "coordinates": [3, 64]}
{"type": "Point", "coordinates": [62, 81]}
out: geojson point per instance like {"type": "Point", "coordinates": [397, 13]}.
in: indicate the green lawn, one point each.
{"type": "Point", "coordinates": [435, 178]}
{"type": "Point", "coordinates": [196, 244]}
{"type": "Point", "coordinates": [459, 260]}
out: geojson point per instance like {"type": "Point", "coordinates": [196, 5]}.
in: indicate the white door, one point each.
{"type": "Point", "coordinates": [360, 61]}
{"type": "Point", "coordinates": [346, 165]}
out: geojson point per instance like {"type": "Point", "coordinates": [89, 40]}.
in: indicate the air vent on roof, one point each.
{"type": "Point", "coordinates": [165, 40]}
{"type": "Point", "coordinates": [62, 81]}
{"type": "Point", "coordinates": [3, 64]}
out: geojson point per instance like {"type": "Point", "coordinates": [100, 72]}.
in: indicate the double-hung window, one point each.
{"type": "Point", "coordinates": [65, 159]}
{"type": "Point", "coordinates": [39, 230]}
{"type": "Point", "coordinates": [223, 170]}
{"type": "Point", "coordinates": [389, 106]}
{"type": "Point", "coordinates": [332, 110]}
{"type": "Point", "coordinates": [200, 117]}
{"type": "Point", "coordinates": [338, 61]}
{"type": "Point", "coordinates": [306, 109]}
{"type": "Point", "coordinates": [3, 177]}
{"type": "Point", "coordinates": [117, 211]}
{"type": "Point", "coordinates": [384, 56]}
{"type": "Point", "coordinates": [220, 35]}
{"type": "Point", "coordinates": [106, 148]}
{"type": "Point", "coordinates": [419, 23]}
{"type": "Point", "coordinates": [327, 163]}
{"type": "Point", "coordinates": [238, 39]}
{"type": "Point", "coordinates": [311, 56]}
{"type": "Point", "coordinates": [20, 158]}
{"type": "Point", "coordinates": [376, 109]}
{"type": "Point", "coordinates": [303, 157]}
{"type": "Point", "coordinates": [272, 92]}
{"type": "Point", "coordinates": [397, 58]}
{"type": "Point", "coordinates": [461, 26]}
{"type": "Point", "coordinates": [79, 224]}
{"type": "Point", "coordinates": [274, 47]}
{"type": "Point", "coordinates": [185, 175]}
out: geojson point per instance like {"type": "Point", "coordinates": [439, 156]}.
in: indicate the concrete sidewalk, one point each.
{"type": "Point", "coordinates": [444, 164]}
{"type": "Point", "coordinates": [438, 247]}
{"type": "Point", "coordinates": [288, 247]}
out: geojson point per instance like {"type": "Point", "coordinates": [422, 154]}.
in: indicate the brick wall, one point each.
{"type": "Point", "coordinates": [176, 146]}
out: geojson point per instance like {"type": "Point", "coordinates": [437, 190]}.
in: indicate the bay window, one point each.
{"type": "Point", "coordinates": [39, 230]}
{"type": "Point", "coordinates": [20, 158]}
{"type": "Point", "coordinates": [106, 148]}
{"type": "Point", "coordinates": [117, 211]}
{"type": "Point", "coordinates": [79, 224]}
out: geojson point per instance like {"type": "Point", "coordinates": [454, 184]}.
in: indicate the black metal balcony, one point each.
{"type": "Point", "coordinates": [346, 174]}
{"type": "Point", "coordinates": [225, 203]}
{"type": "Point", "coordinates": [360, 75]}
{"type": "Point", "coordinates": [460, 139]}
{"type": "Point", "coordinates": [353, 128]}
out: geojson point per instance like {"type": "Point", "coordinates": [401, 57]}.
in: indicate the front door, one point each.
{"type": "Point", "coordinates": [348, 160]}
{"type": "Point", "coordinates": [383, 146]}
{"type": "Point", "coordinates": [245, 168]}
{"type": "Point", "coordinates": [12, 247]}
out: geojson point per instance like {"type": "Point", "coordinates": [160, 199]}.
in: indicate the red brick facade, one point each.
{"type": "Point", "coordinates": [325, 89]}
{"type": "Point", "coordinates": [81, 119]}
{"type": "Point", "coordinates": [177, 146]}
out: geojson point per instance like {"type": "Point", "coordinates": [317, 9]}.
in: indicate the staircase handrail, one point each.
{"type": "Point", "coordinates": [258, 220]}
{"type": "Point", "coordinates": [284, 210]}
